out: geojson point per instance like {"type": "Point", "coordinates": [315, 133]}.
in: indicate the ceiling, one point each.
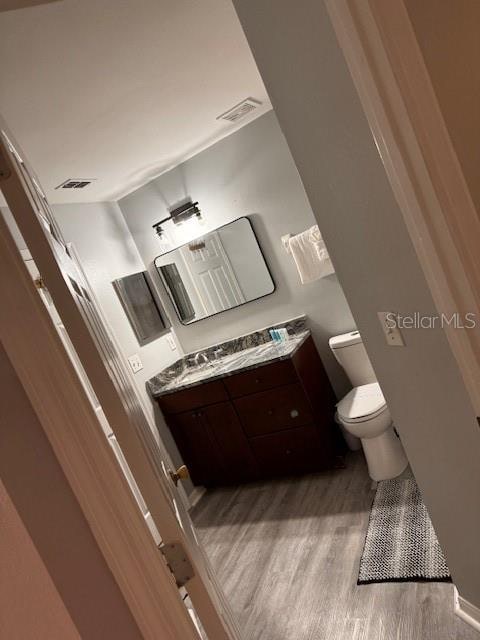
{"type": "Point", "coordinates": [121, 90]}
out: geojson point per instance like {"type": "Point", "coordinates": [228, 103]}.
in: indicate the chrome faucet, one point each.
{"type": "Point", "coordinates": [201, 354]}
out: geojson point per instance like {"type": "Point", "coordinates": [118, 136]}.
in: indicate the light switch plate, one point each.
{"type": "Point", "coordinates": [393, 335]}
{"type": "Point", "coordinates": [171, 342]}
{"type": "Point", "coordinates": [135, 363]}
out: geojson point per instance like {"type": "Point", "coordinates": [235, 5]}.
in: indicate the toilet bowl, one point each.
{"type": "Point", "coordinates": [364, 413]}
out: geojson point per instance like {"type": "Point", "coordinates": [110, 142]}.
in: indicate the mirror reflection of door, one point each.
{"type": "Point", "coordinates": [216, 272]}
{"type": "Point", "coordinates": [212, 274]}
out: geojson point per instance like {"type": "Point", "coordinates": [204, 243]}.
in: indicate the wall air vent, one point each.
{"type": "Point", "coordinates": [75, 183]}
{"type": "Point", "coordinates": [240, 110]}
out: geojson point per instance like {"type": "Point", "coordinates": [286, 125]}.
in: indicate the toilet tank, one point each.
{"type": "Point", "coordinates": [349, 351]}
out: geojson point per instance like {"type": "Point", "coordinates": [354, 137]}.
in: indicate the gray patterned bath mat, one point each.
{"type": "Point", "coordinates": [401, 545]}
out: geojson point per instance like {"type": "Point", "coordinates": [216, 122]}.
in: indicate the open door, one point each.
{"type": "Point", "coordinates": [212, 275]}
{"type": "Point", "coordinates": [112, 389]}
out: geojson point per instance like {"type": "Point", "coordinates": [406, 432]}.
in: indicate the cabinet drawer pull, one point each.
{"type": "Point", "coordinates": [288, 452]}
{"type": "Point", "coordinates": [294, 413]}
{"type": "Point", "coordinates": [270, 412]}
{"type": "Point", "coordinates": [257, 380]}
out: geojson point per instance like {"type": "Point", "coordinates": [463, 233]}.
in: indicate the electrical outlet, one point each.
{"type": "Point", "coordinates": [171, 342]}
{"type": "Point", "coordinates": [393, 336]}
{"type": "Point", "coordinates": [135, 363]}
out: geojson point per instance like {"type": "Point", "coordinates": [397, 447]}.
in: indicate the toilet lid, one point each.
{"type": "Point", "coordinates": [366, 400]}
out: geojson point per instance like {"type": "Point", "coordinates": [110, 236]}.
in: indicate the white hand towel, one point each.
{"type": "Point", "coordinates": [286, 242]}
{"type": "Point", "coordinates": [310, 255]}
{"type": "Point", "coordinates": [321, 249]}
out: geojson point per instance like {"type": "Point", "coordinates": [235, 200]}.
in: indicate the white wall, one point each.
{"type": "Point", "coordinates": [249, 173]}
{"type": "Point", "coordinates": [320, 114]}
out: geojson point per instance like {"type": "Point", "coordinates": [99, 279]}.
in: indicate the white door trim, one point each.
{"type": "Point", "coordinates": [395, 89]}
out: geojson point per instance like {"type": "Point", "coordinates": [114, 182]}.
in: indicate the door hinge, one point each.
{"type": "Point", "coordinates": [39, 283]}
{"type": "Point", "coordinates": [177, 562]}
{"type": "Point", "coordinates": [4, 168]}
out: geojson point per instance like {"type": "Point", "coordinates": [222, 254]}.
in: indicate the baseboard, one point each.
{"type": "Point", "coordinates": [195, 496]}
{"type": "Point", "coordinates": [468, 612]}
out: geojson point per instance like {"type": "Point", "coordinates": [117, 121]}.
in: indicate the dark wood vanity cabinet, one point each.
{"type": "Point", "coordinates": [213, 444]}
{"type": "Point", "coordinates": [276, 419]}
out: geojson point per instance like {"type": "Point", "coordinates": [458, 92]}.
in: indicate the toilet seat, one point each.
{"type": "Point", "coordinates": [362, 403]}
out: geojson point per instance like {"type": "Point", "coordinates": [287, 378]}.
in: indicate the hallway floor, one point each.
{"type": "Point", "coordinates": [287, 554]}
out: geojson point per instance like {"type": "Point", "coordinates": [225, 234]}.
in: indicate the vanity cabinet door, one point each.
{"type": "Point", "coordinates": [213, 445]}
{"type": "Point", "coordinates": [226, 431]}
{"type": "Point", "coordinates": [197, 447]}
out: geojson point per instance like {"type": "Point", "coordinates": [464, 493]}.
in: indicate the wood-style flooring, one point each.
{"type": "Point", "coordinates": [287, 554]}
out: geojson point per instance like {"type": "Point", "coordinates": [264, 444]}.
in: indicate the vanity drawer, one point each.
{"type": "Point", "coordinates": [264, 377]}
{"type": "Point", "coordinates": [193, 398]}
{"type": "Point", "coordinates": [274, 410]}
{"type": "Point", "coordinates": [293, 451]}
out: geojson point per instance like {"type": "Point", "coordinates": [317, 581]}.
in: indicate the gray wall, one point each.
{"type": "Point", "coordinates": [249, 173]}
{"type": "Point", "coordinates": [320, 114]}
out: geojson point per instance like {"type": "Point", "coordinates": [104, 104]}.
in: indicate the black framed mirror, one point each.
{"type": "Point", "coordinates": [220, 270]}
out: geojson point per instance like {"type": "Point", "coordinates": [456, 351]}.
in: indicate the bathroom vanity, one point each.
{"type": "Point", "coordinates": [258, 412]}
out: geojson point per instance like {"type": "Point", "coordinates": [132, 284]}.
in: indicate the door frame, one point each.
{"type": "Point", "coordinates": [399, 101]}
{"type": "Point", "coordinates": [395, 89]}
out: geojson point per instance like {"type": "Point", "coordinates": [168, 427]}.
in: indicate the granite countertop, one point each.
{"type": "Point", "coordinates": [187, 376]}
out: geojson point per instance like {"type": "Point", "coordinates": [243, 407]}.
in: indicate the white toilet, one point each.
{"type": "Point", "coordinates": [363, 412]}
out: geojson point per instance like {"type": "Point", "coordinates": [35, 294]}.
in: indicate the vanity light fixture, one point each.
{"type": "Point", "coordinates": [178, 215]}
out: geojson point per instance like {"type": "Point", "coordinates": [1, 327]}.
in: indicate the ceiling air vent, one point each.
{"type": "Point", "coordinates": [240, 110]}
{"type": "Point", "coordinates": [75, 183]}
